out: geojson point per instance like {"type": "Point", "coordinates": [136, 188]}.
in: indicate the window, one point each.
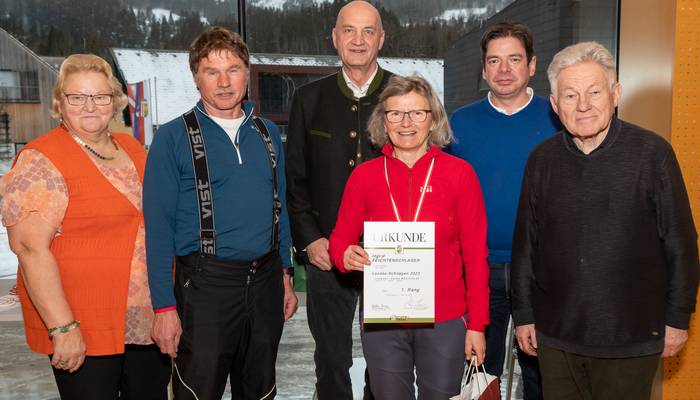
{"type": "Point", "coordinates": [290, 43]}
{"type": "Point", "coordinates": [19, 86]}
{"type": "Point", "coordinates": [276, 90]}
{"type": "Point", "coordinates": [554, 25]}
{"type": "Point", "coordinates": [9, 85]}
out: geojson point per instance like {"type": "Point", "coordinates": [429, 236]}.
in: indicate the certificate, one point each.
{"type": "Point", "coordinates": [399, 286]}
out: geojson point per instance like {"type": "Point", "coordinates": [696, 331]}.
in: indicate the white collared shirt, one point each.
{"type": "Point", "coordinates": [530, 93]}
{"type": "Point", "coordinates": [360, 91]}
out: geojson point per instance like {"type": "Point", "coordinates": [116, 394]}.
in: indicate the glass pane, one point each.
{"type": "Point", "coordinates": [276, 89]}
{"type": "Point", "coordinates": [9, 85]}
{"type": "Point", "coordinates": [554, 25]}
{"type": "Point", "coordinates": [291, 45]}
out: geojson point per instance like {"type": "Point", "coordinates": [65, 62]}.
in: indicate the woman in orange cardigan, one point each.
{"type": "Point", "coordinates": [72, 207]}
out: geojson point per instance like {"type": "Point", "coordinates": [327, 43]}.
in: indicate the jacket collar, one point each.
{"type": "Point", "coordinates": [376, 83]}
{"type": "Point", "coordinates": [434, 151]}
{"type": "Point", "coordinates": [610, 137]}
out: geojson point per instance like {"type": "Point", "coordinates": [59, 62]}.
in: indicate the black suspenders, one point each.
{"type": "Point", "coordinates": [202, 183]}
{"type": "Point", "coordinates": [276, 203]}
{"type": "Point", "coordinates": [205, 200]}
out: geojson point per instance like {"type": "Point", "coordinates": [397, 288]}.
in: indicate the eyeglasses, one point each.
{"type": "Point", "coordinates": [396, 116]}
{"type": "Point", "coordinates": [77, 99]}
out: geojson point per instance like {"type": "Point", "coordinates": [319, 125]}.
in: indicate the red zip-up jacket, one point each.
{"type": "Point", "coordinates": [453, 201]}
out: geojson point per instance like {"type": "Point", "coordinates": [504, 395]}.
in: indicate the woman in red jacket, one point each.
{"type": "Point", "coordinates": [411, 125]}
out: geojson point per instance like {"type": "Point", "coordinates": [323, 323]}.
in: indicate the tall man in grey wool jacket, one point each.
{"type": "Point", "coordinates": [605, 258]}
{"type": "Point", "coordinates": [326, 140]}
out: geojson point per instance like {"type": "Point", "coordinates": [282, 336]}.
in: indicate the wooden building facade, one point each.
{"type": "Point", "coordinates": [26, 82]}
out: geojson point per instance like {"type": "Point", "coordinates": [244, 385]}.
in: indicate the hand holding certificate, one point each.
{"type": "Point", "coordinates": [399, 287]}
{"type": "Point", "coordinates": [355, 258]}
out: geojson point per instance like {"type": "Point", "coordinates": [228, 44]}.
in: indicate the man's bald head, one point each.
{"type": "Point", "coordinates": [358, 36]}
{"type": "Point", "coordinates": [358, 6]}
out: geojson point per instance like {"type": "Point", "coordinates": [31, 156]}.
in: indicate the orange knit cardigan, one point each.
{"type": "Point", "coordinates": [94, 250]}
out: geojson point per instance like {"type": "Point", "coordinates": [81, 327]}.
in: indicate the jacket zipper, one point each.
{"type": "Point", "coordinates": [236, 138]}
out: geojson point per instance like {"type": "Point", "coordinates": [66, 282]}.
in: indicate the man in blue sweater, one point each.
{"type": "Point", "coordinates": [496, 135]}
{"type": "Point", "coordinates": [214, 206]}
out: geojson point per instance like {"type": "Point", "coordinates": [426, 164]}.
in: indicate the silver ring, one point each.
{"type": "Point", "coordinates": [61, 362]}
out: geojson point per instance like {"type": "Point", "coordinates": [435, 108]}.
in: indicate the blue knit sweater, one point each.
{"type": "Point", "coordinates": [497, 146]}
{"type": "Point", "coordinates": [241, 182]}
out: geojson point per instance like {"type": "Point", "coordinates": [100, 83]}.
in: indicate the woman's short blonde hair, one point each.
{"type": "Point", "coordinates": [440, 132]}
{"type": "Point", "coordinates": [86, 63]}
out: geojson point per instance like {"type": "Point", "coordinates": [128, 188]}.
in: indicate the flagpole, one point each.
{"type": "Point", "coordinates": [242, 19]}
{"type": "Point", "coordinates": [155, 101]}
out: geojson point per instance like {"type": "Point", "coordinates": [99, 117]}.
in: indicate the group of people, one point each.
{"type": "Point", "coordinates": [139, 269]}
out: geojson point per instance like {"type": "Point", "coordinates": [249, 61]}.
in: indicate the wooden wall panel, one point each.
{"type": "Point", "coordinates": [682, 373]}
{"type": "Point", "coordinates": [27, 120]}
{"type": "Point", "coordinates": [646, 28]}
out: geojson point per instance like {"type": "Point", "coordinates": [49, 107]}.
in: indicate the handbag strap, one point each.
{"type": "Point", "coordinates": [474, 369]}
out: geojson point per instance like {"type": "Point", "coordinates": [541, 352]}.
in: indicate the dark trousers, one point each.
{"type": "Point", "coordinates": [436, 351]}
{"type": "Point", "coordinates": [331, 299]}
{"type": "Point", "coordinates": [142, 372]}
{"type": "Point", "coordinates": [497, 334]}
{"type": "Point", "coordinates": [567, 376]}
{"type": "Point", "coordinates": [232, 319]}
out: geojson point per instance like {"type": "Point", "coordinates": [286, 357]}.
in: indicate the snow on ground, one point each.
{"type": "Point", "coordinates": [164, 13]}
{"type": "Point", "coordinates": [5, 166]}
{"type": "Point", "coordinates": [464, 13]}
{"type": "Point", "coordinates": [160, 13]}
{"type": "Point", "coordinates": [8, 261]}
{"type": "Point", "coordinates": [280, 4]}
{"type": "Point", "coordinates": [275, 4]}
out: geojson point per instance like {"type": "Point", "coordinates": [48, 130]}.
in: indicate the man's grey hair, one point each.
{"type": "Point", "coordinates": [440, 132]}
{"type": "Point", "coordinates": [579, 53]}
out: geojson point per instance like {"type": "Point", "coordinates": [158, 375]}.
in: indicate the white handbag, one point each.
{"type": "Point", "coordinates": [477, 384]}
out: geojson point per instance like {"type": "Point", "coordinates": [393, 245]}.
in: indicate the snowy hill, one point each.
{"type": "Point", "coordinates": [164, 14]}
{"type": "Point", "coordinates": [281, 4]}
{"type": "Point", "coordinates": [464, 13]}
{"type": "Point", "coordinates": [416, 10]}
